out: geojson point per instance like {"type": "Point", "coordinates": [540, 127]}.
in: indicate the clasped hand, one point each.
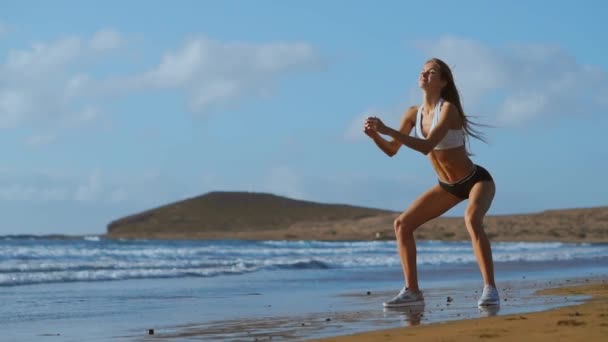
{"type": "Point", "coordinates": [374, 124]}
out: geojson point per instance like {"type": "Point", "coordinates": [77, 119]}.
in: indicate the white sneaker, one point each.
{"type": "Point", "coordinates": [489, 310]}
{"type": "Point", "coordinates": [406, 297]}
{"type": "Point", "coordinates": [489, 296]}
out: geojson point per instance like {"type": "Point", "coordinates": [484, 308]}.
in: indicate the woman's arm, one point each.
{"type": "Point", "coordinates": [388, 147]}
{"type": "Point", "coordinates": [392, 147]}
{"type": "Point", "coordinates": [425, 146]}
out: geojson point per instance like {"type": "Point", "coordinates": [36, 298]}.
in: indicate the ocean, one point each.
{"type": "Point", "coordinates": [98, 289]}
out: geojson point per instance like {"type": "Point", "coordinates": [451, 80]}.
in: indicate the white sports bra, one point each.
{"type": "Point", "coordinates": [453, 138]}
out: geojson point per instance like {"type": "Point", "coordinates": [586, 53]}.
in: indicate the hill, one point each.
{"type": "Point", "coordinates": [242, 215]}
{"type": "Point", "coordinates": [230, 214]}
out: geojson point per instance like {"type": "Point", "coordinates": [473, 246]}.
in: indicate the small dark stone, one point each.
{"type": "Point", "coordinates": [369, 293]}
{"type": "Point", "coordinates": [327, 319]}
{"type": "Point", "coordinates": [150, 331]}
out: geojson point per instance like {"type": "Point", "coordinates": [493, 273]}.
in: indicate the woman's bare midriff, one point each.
{"type": "Point", "coordinates": [451, 165]}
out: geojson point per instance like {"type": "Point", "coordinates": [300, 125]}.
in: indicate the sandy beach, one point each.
{"type": "Point", "coordinates": [568, 310]}
{"type": "Point", "coordinates": [583, 322]}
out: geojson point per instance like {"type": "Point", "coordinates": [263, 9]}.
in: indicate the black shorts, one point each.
{"type": "Point", "coordinates": [463, 187]}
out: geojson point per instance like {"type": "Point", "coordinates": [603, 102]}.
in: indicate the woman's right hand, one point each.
{"type": "Point", "coordinates": [368, 129]}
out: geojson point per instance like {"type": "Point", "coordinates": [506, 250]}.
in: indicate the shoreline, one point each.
{"type": "Point", "coordinates": [355, 316]}
{"type": "Point", "coordinates": [273, 235]}
{"type": "Point", "coordinates": [308, 301]}
{"type": "Point", "coordinates": [587, 321]}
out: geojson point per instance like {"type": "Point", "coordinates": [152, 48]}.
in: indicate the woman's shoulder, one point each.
{"type": "Point", "coordinates": [449, 107]}
{"type": "Point", "coordinates": [409, 115]}
{"type": "Point", "coordinates": [411, 109]}
{"type": "Point", "coordinates": [446, 103]}
{"type": "Point", "coordinates": [411, 112]}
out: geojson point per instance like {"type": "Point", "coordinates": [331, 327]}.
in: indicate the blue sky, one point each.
{"type": "Point", "coordinates": [112, 108]}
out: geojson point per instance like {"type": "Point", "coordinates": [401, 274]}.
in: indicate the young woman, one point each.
{"type": "Point", "coordinates": [441, 129]}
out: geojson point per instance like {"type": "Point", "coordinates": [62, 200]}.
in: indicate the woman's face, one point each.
{"type": "Point", "coordinates": [430, 77]}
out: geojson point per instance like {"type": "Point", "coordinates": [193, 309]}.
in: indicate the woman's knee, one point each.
{"type": "Point", "coordinates": [472, 220]}
{"type": "Point", "coordinates": [402, 228]}
{"type": "Point", "coordinates": [474, 223]}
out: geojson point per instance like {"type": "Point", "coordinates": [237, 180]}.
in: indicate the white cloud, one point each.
{"type": "Point", "coordinates": [14, 104]}
{"type": "Point", "coordinates": [49, 85]}
{"type": "Point", "coordinates": [45, 85]}
{"type": "Point", "coordinates": [42, 59]}
{"type": "Point", "coordinates": [88, 114]}
{"type": "Point", "coordinates": [205, 95]}
{"type": "Point", "coordinates": [212, 72]}
{"type": "Point", "coordinates": [106, 40]}
{"type": "Point", "coordinates": [520, 82]}
{"type": "Point", "coordinates": [76, 86]}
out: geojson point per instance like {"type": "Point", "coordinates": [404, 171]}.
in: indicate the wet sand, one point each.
{"type": "Point", "coordinates": [583, 322]}
{"type": "Point", "coordinates": [530, 310]}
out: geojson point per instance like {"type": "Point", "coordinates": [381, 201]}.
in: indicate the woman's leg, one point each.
{"type": "Point", "coordinates": [480, 199]}
{"type": "Point", "coordinates": [429, 205]}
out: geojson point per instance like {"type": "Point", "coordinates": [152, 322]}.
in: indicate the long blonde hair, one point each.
{"type": "Point", "coordinates": [450, 93]}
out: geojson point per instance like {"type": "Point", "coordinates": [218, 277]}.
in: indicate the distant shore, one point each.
{"type": "Point", "coordinates": [260, 216]}
{"type": "Point", "coordinates": [573, 225]}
